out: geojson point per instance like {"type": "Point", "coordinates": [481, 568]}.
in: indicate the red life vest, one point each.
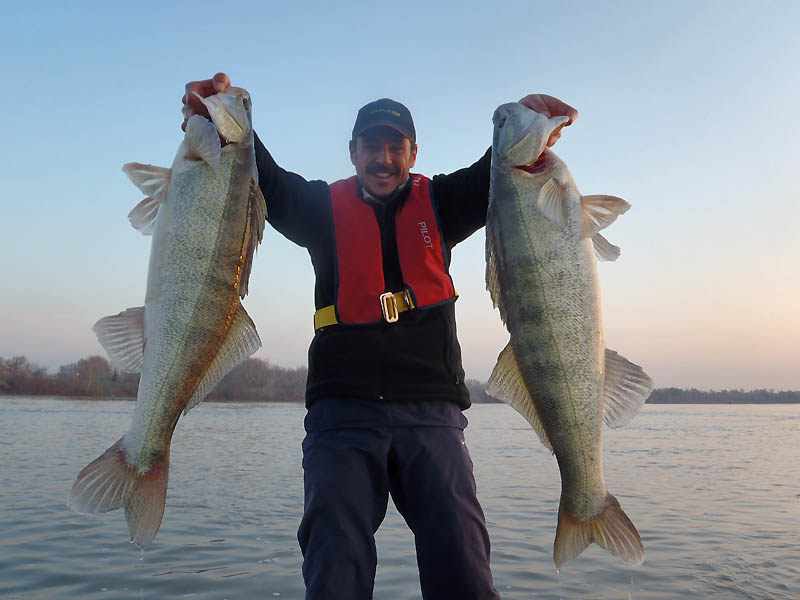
{"type": "Point", "coordinates": [360, 281]}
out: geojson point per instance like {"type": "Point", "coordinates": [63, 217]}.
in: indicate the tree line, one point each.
{"type": "Point", "coordinates": [256, 380]}
{"type": "Point", "coordinates": [693, 396]}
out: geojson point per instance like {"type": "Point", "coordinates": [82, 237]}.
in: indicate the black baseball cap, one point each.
{"type": "Point", "coordinates": [385, 112]}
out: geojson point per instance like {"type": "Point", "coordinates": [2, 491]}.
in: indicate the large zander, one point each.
{"type": "Point", "coordinates": [541, 240]}
{"type": "Point", "coordinates": [206, 215]}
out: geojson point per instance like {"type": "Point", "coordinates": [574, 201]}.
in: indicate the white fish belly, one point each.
{"type": "Point", "coordinates": [191, 294]}
{"type": "Point", "coordinates": [552, 305]}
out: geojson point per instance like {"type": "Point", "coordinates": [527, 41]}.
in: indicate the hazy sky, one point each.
{"type": "Point", "coordinates": [688, 110]}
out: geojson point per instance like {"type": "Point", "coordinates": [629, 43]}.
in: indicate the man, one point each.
{"type": "Point", "coordinates": [385, 390]}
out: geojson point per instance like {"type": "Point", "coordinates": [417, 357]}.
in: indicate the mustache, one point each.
{"type": "Point", "coordinates": [381, 170]}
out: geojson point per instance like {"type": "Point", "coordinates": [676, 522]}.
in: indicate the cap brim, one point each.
{"type": "Point", "coordinates": [384, 124]}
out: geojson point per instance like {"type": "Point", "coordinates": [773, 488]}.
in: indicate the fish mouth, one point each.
{"type": "Point", "coordinates": [538, 166]}
{"type": "Point", "coordinates": [522, 139]}
{"type": "Point", "coordinates": [230, 113]}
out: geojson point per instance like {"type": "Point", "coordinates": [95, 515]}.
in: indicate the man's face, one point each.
{"type": "Point", "coordinates": [382, 157]}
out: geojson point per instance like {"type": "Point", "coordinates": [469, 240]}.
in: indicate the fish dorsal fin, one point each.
{"type": "Point", "coordinates": [506, 384]}
{"type": "Point", "coordinates": [627, 387]}
{"type": "Point", "coordinates": [202, 141]}
{"type": "Point", "coordinates": [254, 233]}
{"type": "Point", "coordinates": [143, 216]}
{"type": "Point", "coordinates": [153, 182]}
{"type": "Point", "coordinates": [603, 249]}
{"type": "Point", "coordinates": [493, 269]}
{"type": "Point", "coordinates": [122, 337]}
{"type": "Point", "coordinates": [601, 211]}
{"type": "Point", "coordinates": [553, 202]}
{"type": "Point", "coordinates": [240, 342]}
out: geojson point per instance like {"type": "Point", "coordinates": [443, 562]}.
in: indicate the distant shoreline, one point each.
{"type": "Point", "coordinates": [256, 380]}
{"type": "Point", "coordinates": [793, 400]}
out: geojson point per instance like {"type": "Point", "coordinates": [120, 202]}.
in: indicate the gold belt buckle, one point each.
{"type": "Point", "coordinates": [389, 307]}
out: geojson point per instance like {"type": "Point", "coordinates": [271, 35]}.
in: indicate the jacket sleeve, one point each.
{"type": "Point", "coordinates": [462, 199]}
{"type": "Point", "coordinates": [295, 207]}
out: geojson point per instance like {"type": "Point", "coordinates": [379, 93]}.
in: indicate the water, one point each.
{"type": "Point", "coordinates": [713, 491]}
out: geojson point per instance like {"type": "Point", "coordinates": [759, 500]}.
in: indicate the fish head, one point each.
{"type": "Point", "coordinates": [520, 138]}
{"type": "Point", "coordinates": [230, 113]}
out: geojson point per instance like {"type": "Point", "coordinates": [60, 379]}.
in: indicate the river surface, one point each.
{"type": "Point", "coordinates": [713, 490]}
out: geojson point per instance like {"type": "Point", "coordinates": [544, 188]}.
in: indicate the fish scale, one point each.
{"type": "Point", "coordinates": [206, 215]}
{"type": "Point", "coordinates": [541, 241]}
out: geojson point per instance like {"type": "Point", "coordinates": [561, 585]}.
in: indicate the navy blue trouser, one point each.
{"type": "Point", "coordinates": [358, 452]}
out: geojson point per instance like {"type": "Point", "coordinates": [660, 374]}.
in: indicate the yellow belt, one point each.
{"type": "Point", "coordinates": [391, 307]}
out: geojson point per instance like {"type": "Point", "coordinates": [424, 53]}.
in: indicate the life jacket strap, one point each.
{"type": "Point", "coordinates": [392, 304]}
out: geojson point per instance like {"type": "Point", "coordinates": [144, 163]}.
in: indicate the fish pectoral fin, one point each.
{"type": "Point", "coordinates": [552, 202]}
{"type": "Point", "coordinates": [506, 384]}
{"type": "Point", "coordinates": [242, 340]}
{"type": "Point", "coordinates": [122, 337]}
{"type": "Point", "coordinates": [254, 233]}
{"type": "Point", "coordinates": [611, 529]}
{"type": "Point", "coordinates": [601, 211]}
{"type": "Point", "coordinates": [598, 213]}
{"type": "Point", "coordinates": [603, 249]}
{"type": "Point", "coordinates": [109, 482]}
{"type": "Point", "coordinates": [143, 216]}
{"type": "Point", "coordinates": [627, 387]}
{"type": "Point", "coordinates": [153, 182]}
{"type": "Point", "coordinates": [202, 141]}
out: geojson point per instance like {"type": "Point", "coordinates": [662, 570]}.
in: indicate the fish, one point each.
{"type": "Point", "coordinates": [206, 216]}
{"type": "Point", "coordinates": [542, 248]}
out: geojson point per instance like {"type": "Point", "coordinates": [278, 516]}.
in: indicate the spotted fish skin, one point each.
{"type": "Point", "coordinates": [206, 215]}
{"type": "Point", "coordinates": [542, 245]}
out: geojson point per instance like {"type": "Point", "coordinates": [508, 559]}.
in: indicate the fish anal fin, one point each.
{"type": "Point", "coordinates": [610, 529]}
{"type": "Point", "coordinates": [240, 342]}
{"type": "Point", "coordinates": [600, 211]}
{"type": "Point", "coordinates": [202, 140]}
{"type": "Point", "coordinates": [109, 482]}
{"type": "Point", "coordinates": [603, 249]}
{"type": "Point", "coordinates": [122, 337]}
{"type": "Point", "coordinates": [627, 387]}
{"type": "Point", "coordinates": [506, 384]}
{"type": "Point", "coordinates": [254, 233]}
{"type": "Point", "coordinates": [552, 201]}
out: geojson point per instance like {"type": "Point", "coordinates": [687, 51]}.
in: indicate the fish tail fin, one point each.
{"type": "Point", "coordinates": [109, 482]}
{"type": "Point", "coordinates": [611, 529]}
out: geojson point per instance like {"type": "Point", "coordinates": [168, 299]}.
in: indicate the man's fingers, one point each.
{"type": "Point", "coordinates": [550, 107]}
{"type": "Point", "coordinates": [221, 82]}
{"type": "Point", "coordinates": [207, 87]}
{"type": "Point", "coordinates": [554, 137]}
{"type": "Point", "coordinates": [535, 102]}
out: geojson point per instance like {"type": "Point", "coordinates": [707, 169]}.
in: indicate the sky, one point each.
{"type": "Point", "coordinates": [688, 110]}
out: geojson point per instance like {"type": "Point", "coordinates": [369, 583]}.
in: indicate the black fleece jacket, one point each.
{"type": "Point", "coordinates": [416, 358]}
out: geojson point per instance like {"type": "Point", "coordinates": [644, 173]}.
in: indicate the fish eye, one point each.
{"type": "Point", "coordinates": [246, 102]}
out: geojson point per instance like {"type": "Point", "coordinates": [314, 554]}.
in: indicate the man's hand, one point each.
{"type": "Point", "coordinates": [208, 87]}
{"type": "Point", "coordinates": [550, 107]}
